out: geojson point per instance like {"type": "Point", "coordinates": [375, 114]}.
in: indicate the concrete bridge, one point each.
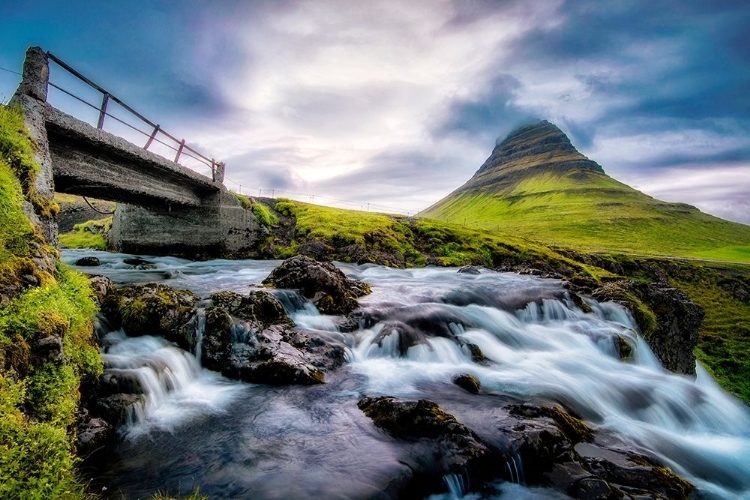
{"type": "Point", "coordinates": [163, 207]}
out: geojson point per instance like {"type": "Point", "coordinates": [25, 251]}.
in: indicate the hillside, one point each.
{"type": "Point", "coordinates": [536, 184]}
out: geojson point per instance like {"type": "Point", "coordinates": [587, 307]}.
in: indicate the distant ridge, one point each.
{"type": "Point", "coordinates": [538, 185]}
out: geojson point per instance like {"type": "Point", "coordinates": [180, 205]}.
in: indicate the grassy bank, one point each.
{"type": "Point", "coordinates": [592, 212]}
{"type": "Point", "coordinates": [89, 234]}
{"type": "Point", "coordinates": [41, 301]}
{"type": "Point", "coordinates": [353, 236]}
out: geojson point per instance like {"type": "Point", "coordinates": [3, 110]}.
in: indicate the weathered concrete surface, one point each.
{"type": "Point", "coordinates": [163, 207]}
{"type": "Point", "coordinates": [31, 96]}
{"type": "Point", "coordinates": [218, 228]}
{"type": "Point", "coordinates": [91, 162]}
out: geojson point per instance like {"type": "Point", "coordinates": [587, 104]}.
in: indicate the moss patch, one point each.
{"type": "Point", "coordinates": [38, 397]}
{"type": "Point", "coordinates": [89, 234]}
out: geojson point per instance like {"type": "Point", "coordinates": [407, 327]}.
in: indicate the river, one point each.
{"type": "Point", "coordinates": [242, 440]}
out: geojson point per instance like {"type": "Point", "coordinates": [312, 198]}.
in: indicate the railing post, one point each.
{"type": "Point", "coordinates": [151, 138]}
{"type": "Point", "coordinates": [179, 151]}
{"type": "Point", "coordinates": [103, 111]}
{"type": "Point", "coordinates": [219, 176]}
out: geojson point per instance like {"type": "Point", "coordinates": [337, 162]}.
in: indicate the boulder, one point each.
{"type": "Point", "coordinates": [260, 307]}
{"type": "Point", "coordinates": [153, 309]}
{"type": "Point", "coordinates": [217, 339]}
{"type": "Point", "coordinates": [48, 349]}
{"type": "Point", "coordinates": [280, 355]}
{"type": "Point", "coordinates": [91, 434]}
{"type": "Point", "coordinates": [88, 261]}
{"type": "Point", "coordinates": [469, 270]}
{"type": "Point", "coordinates": [321, 282]}
{"type": "Point", "coordinates": [669, 321]}
{"type": "Point", "coordinates": [454, 448]}
{"type": "Point", "coordinates": [467, 382]}
{"type": "Point", "coordinates": [139, 263]}
{"type": "Point", "coordinates": [559, 450]}
{"type": "Point", "coordinates": [117, 408]}
{"type": "Point", "coordinates": [251, 338]}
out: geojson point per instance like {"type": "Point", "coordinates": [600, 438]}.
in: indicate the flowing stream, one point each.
{"type": "Point", "coordinates": [241, 440]}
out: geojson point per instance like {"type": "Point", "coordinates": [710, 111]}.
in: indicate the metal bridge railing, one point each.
{"type": "Point", "coordinates": [156, 132]}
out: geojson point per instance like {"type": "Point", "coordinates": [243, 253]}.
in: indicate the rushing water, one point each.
{"type": "Point", "coordinates": [239, 440]}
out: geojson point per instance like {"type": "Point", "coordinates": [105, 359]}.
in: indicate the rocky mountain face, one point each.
{"type": "Point", "coordinates": [537, 148]}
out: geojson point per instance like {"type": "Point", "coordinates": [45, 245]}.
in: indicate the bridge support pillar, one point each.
{"type": "Point", "coordinates": [31, 97]}
{"type": "Point", "coordinates": [220, 227]}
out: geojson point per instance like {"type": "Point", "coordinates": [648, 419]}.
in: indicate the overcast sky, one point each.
{"type": "Point", "coordinates": [397, 103]}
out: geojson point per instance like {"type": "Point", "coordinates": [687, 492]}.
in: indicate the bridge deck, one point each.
{"type": "Point", "coordinates": [92, 162]}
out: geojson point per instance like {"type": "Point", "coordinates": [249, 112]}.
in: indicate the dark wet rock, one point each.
{"type": "Point", "coordinates": [259, 307]}
{"type": "Point", "coordinates": [117, 408]}
{"type": "Point", "coordinates": [281, 355]}
{"type": "Point", "coordinates": [253, 351]}
{"type": "Point", "coordinates": [637, 475]}
{"type": "Point", "coordinates": [559, 450]}
{"type": "Point", "coordinates": [115, 382]}
{"type": "Point", "coordinates": [669, 321]}
{"type": "Point", "coordinates": [139, 263]}
{"type": "Point", "coordinates": [252, 338]}
{"type": "Point", "coordinates": [579, 302]}
{"type": "Point", "coordinates": [48, 349]}
{"type": "Point", "coordinates": [153, 309]}
{"type": "Point", "coordinates": [404, 335]}
{"type": "Point", "coordinates": [317, 250]}
{"type": "Point", "coordinates": [217, 339]}
{"type": "Point", "coordinates": [592, 488]}
{"type": "Point", "coordinates": [469, 270]}
{"type": "Point", "coordinates": [321, 282]}
{"type": "Point", "coordinates": [92, 434]}
{"type": "Point", "coordinates": [475, 352]}
{"type": "Point", "coordinates": [101, 288]}
{"type": "Point", "coordinates": [88, 261]}
{"type": "Point", "coordinates": [468, 383]}
{"type": "Point", "coordinates": [456, 449]}
{"type": "Point", "coordinates": [574, 428]}
{"type": "Point", "coordinates": [624, 349]}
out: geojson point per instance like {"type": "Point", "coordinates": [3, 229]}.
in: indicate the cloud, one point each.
{"type": "Point", "coordinates": [401, 102]}
{"type": "Point", "coordinates": [713, 191]}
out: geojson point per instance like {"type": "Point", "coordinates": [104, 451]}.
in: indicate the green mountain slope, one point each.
{"type": "Point", "coordinates": [537, 185]}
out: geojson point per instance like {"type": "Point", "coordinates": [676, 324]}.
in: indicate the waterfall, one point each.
{"type": "Point", "coordinates": [175, 388]}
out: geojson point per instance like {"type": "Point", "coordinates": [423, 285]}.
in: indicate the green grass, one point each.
{"type": "Point", "coordinates": [724, 340]}
{"type": "Point", "coordinates": [594, 213]}
{"type": "Point", "coordinates": [264, 215]}
{"type": "Point", "coordinates": [89, 234]}
{"type": "Point", "coordinates": [418, 241]}
{"type": "Point", "coordinates": [38, 401]}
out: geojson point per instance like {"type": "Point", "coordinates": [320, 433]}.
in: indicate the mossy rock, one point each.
{"type": "Point", "coordinates": [153, 309]}
{"type": "Point", "coordinates": [467, 382]}
{"type": "Point", "coordinates": [321, 282]}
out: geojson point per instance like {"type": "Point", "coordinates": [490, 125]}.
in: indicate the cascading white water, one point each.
{"type": "Point", "coordinates": [538, 345]}
{"type": "Point", "coordinates": [175, 388]}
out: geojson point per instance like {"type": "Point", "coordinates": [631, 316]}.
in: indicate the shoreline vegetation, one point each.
{"type": "Point", "coordinates": [48, 350]}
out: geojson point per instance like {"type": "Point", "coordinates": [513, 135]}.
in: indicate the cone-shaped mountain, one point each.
{"type": "Point", "coordinates": [537, 184]}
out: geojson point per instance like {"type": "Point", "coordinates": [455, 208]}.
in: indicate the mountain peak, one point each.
{"type": "Point", "coordinates": [541, 142]}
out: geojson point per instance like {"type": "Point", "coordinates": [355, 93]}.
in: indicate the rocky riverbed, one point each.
{"type": "Point", "coordinates": [414, 383]}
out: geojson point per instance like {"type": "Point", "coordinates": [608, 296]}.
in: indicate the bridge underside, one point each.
{"type": "Point", "coordinates": [91, 162]}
